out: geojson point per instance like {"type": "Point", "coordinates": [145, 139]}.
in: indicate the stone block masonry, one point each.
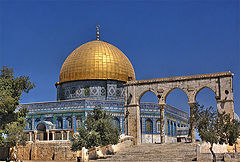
{"type": "Point", "coordinates": [42, 150]}
{"type": "Point", "coordinates": [219, 83]}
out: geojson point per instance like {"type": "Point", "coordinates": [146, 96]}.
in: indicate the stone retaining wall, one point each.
{"type": "Point", "coordinates": [217, 148]}
{"type": "Point", "coordinates": [61, 150]}
{"type": "Point", "coordinates": [47, 151]}
{"type": "Point", "coordinates": [223, 152]}
{"type": "Point", "coordinates": [155, 138]}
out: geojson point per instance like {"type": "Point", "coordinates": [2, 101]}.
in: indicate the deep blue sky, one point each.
{"type": "Point", "coordinates": [161, 39]}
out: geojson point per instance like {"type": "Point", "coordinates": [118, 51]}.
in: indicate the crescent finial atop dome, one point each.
{"type": "Point", "coordinates": [98, 26]}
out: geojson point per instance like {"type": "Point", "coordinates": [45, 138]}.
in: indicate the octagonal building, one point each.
{"type": "Point", "coordinates": [94, 75]}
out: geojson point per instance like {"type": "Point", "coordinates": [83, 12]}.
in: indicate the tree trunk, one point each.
{"type": "Point", "coordinates": [213, 154]}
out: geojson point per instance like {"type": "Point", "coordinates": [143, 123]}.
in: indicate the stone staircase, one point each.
{"type": "Point", "coordinates": [171, 152]}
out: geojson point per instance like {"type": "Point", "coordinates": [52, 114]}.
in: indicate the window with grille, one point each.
{"type": "Point", "coordinates": [158, 126]}
{"type": "Point", "coordinates": [149, 126]}
{"type": "Point", "coordinates": [78, 121]}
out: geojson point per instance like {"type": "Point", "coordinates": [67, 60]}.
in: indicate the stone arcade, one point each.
{"type": "Point", "coordinates": [219, 83]}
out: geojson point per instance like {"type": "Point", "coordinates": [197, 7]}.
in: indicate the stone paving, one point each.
{"type": "Point", "coordinates": [175, 152]}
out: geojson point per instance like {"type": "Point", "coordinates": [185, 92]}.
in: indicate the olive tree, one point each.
{"type": "Point", "coordinates": [98, 131]}
{"type": "Point", "coordinates": [214, 127]}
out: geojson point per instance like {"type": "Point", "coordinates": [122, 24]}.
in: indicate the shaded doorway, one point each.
{"type": "Point", "coordinates": [42, 134]}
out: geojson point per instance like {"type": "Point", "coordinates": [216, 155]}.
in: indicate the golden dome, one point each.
{"type": "Point", "coordinates": [96, 60]}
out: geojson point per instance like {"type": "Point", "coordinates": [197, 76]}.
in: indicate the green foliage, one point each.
{"type": "Point", "coordinates": [15, 134]}
{"type": "Point", "coordinates": [214, 127]}
{"type": "Point", "coordinates": [99, 131]}
{"type": "Point", "coordinates": [206, 123]}
{"type": "Point", "coordinates": [228, 129]}
{"type": "Point", "coordinates": [12, 120]}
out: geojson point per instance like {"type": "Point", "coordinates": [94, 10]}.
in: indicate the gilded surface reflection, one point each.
{"type": "Point", "coordinates": [96, 60]}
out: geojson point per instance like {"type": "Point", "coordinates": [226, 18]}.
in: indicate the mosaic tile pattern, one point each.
{"type": "Point", "coordinates": [51, 111]}
{"type": "Point", "coordinates": [94, 89]}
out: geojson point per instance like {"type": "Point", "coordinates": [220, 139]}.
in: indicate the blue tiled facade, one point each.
{"type": "Point", "coordinates": [76, 99]}
{"type": "Point", "coordinates": [174, 118]}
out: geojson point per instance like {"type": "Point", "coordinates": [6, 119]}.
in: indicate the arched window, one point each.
{"type": "Point", "coordinates": [29, 124]}
{"type": "Point", "coordinates": [116, 122]}
{"type": "Point", "coordinates": [69, 122]}
{"type": "Point", "coordinates": [37, 120]}
{"type": "Point", "coordinates": [175, 129]}
{"type": "Point", "coordinates": [149, 126]}
{"type": "Point", "coordinates": [158, 126]}
{"type": "Point", "coordinates": [41, 127]}
{"type": "Point", "coordinates": [59, 122]}
{"type": "Point", "coordinates": [78, 121]}
{"type": "Point", "coordinates": [42, 135]}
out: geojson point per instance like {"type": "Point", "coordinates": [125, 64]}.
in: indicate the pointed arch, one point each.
{"type": "Point", "coordinates": [149, 126]}
{"type": "Point", "coordinates": [116, 122]}
{"type": "Point", "coordinates": [144, 92]}
{"type": "Point", "coordinates": [41, 127]}
{"type": "Point", "coordinates": [69, 122]}
{"type": "Point", "coordinates": [201, 88]}
{"type": "Point", "coordinates": [165, 96]}
{"type": "Point", "coordinates": [29, 124]}
{"type": "Point", "coordinates": [59, 122]}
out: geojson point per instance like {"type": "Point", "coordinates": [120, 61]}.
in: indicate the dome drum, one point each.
{"type": "Point", "coordinates": [94, 89]}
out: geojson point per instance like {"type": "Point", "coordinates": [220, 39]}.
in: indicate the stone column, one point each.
{"type": "Point", "coordinates": [192, 122]}
{"type": "Point", "coordinates": [47, 131]}
{"type": "Point", "coordinates": [53, 135]}
{"type": "Point", "coordinates": [162, 127]}
{"type": "Point", "coordinates": [68, 135]}
{"type": "Point", "coordinates": [30, 136]}
{"type": "Point", "coordinates": [35, 135]}
{"type": "Point", "coordinates": [133, 123]}
{"type": "Point", "coordinates": [62, 134]}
